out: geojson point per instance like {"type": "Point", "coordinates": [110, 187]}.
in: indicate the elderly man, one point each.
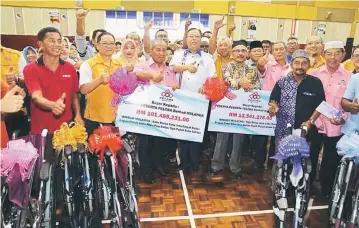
{"type": "Point", "coordinates": [85, 49]}
{"type": "Point", "coordinates": [239, 75]}
{"type": "Point", "coordinates": [292, 46]}
{"type": "Point", "coordinates": [151, 148]}
{"type": "Point", "coordinates": [315, 49]}
{"type": "Point", "coordinates": [355, 59]}
{"type": "Point", "coordinates": [273, 70]}
{"type": "Point", "coordinates": [160, 34]}
{"type": "Point", "coordinates": [193, 67]}
{"type": "Point", "coordinates": [255, 52]}
{"type": "Point", "coordinates": [335, 80]}
{"type": "Point", "coordinates": [295, 98]}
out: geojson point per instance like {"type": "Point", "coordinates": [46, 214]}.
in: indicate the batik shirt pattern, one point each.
{"type": "Point", "coordinates": [233, 72]}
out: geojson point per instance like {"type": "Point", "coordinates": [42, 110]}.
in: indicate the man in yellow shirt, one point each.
{"type": "Point", "coordinates": [9, 61]}
{"type": "Point", "coordinates": [315, 48]}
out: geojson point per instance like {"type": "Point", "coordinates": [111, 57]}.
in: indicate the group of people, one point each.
{"type": "Point", "coordinates": [67, 81]}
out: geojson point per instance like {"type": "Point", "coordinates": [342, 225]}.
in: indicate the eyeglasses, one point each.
{"type": "Point", "coordinates": [292, 43]}
{"type": "Point", "coordinates": [194, 37]}
{"type": "Point", "coordinates": [330, 55]}
{"type": "Point", "coordinates": [239, 51]}
{"type": "Point", "coordinates": [108, 44]}
{"type": "Point", "coordinates": [315, 43]}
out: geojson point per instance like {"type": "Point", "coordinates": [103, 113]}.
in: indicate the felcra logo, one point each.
{"type": "Point", "coordinates": [166, 95]}
{"type": "Point", "coordinates": [254, 97]}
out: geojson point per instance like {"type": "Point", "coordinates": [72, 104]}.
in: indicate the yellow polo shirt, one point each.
{"type": "Point", "coordinates": [317, 65]}
{"type": "Point", "coordinates": [219, 62]}
{"type": "Point", "coordinates": [349, 65]}
{"type": "Point", "coordinates": [9, 57]}
{"type": "Point", "coordinates": [98, 107]}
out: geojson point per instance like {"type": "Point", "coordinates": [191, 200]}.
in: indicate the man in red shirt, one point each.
{"type": "Point", "coordinates": [53, 85]}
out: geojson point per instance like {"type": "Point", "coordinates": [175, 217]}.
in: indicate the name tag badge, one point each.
{"type": "Point", "coordinates": [66, 76]}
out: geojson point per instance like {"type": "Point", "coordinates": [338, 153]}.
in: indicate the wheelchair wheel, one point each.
{"type": "Point", "coordinates": [49, 200]}
{"type": "Point", "coordinates": [336, 193]}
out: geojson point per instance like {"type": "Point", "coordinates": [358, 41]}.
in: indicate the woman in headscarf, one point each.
{"type": "Point", "coordinates": [129, 58]}
{"type": "Point", "coordinates": [29, 55]}
{"type": "Point", "coordinates": [65, 54]}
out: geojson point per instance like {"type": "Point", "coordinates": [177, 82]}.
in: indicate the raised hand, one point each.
{"type": "Point", "coordinates": [12, 101]}
{"type": "Point", "coordinates": [82, 13]}
{"type": "Point", "coordinates": [219, 23]}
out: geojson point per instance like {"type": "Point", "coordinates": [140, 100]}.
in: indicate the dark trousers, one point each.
{"type": "Point", "coordinates": [92, 125]}
{"type": "Point", "coordinates": [315, 146]}
{"type": "Point", "coordinates": [329, 164]}
{"type": "Point", "coordinates": [190, 154]}
{"type": "Point", "coordinates": [259, 143]}
{"type": "Point", "coordinates": [151, 153]}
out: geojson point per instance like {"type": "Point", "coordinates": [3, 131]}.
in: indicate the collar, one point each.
{"type": "Point", "coordinates": [151, 62]}
{"type": "Point", "coordinates": [340, 70]}
{"type": "Point", "coordinates": [188, 51]}
{"type": "Point", "coordinates": [99, 60]}
{"type": "Point", "coordinates": [274, 63]}
{"type": "Point", "coordinates": [40, 61]}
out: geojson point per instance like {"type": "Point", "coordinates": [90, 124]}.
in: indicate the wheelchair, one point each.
{"type": "Point", "coordinates": [115, 182]}
{"type": "Point", "coordinates": [289, 160]}
{"type": "Point", "coordinates": [344, 208]}
{"type": "Point", "coordinates": [40, 209]}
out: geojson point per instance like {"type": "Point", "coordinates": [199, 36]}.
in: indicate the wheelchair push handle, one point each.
{"type": "Point", "coordinates": [303, 132]}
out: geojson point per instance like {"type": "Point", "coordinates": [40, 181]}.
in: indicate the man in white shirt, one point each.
{"type": "Point", "coordinates": [85, 49]}
{"type": "Point", "coordinates": [193, 67]}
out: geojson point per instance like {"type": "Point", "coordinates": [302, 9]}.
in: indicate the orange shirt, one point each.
{"type": "Point", "coordinates": [4, 136]}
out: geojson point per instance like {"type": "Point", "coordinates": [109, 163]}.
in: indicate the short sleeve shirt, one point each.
{"type": "Point", "coordinates": [205, 68]}
{"type": "Point", "coordinates": [351, 93]}
{"type": "Point", "coordinates": [52, 84]}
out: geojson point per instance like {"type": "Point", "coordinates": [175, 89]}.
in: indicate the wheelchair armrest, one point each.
{"type": "Point", "coordinates": [45, 171]}
{"type": "Point", "coordinates": [81, 148]}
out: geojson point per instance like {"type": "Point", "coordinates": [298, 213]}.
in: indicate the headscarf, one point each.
{"type": "Point", "coordinates": [123, 58]}
{"type": "Point", "coordinates": [26, 50]}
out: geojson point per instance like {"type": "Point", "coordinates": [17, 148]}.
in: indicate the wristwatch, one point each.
{"type": "Point", "coordinates": [312, 122]}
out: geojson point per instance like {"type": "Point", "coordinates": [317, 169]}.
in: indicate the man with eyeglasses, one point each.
{"type": "Point", "coordinates": [204, 44]}
{"type": "Point", "coordinates": [355, 59]}
{"type": "Point", "coordinates": [315, 47]}
{"type": "Point", "coordinates": [292, 46]}
{"type": "Point", "coordinates": [239, 75]}
{"type": "Point", "coordinates": [193, 67]}
{"type": "Point", "coordinates": [335, 80]}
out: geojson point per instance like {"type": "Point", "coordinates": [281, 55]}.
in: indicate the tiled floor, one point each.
{"type": "Point", "coordinates": [198, 202]}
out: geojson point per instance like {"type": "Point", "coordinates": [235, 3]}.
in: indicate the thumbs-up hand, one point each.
{"type": "Point", "coordinates": [245, 83]}
{"type": "Point", "coordinates": [105, 77]}
{"type": "Point", "coordinates": [82, 13]}
{"type": "Point", "coordinates": [12, 101]}
{"type": "Point", "coordinates": [157, 76]}
{"type": "Point", "coordinates": [263, 60]}
{"type": "Point", "coordinates": [354, 108]}
{"type": "Point", "coordinates": [129, 67]}
{"type": "Point", "coordinates": [273, 108]}
{"type": "Point", "coordinates": [192, 68]}
{"type": "Point", "coordinates": [59, 106]}
{"type": "Point", "coordinates": [10, 77]}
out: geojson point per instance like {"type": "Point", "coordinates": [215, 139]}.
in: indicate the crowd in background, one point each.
{"type": "Point", "coordinates": [60, 80]}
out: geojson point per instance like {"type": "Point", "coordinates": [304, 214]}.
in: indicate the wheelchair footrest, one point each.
{"type": "Point", "coordinates": [45, 171]}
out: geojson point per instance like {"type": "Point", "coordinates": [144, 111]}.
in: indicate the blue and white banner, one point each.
{"type": "Point", "coordinates": [246, 114]}
{"type": "Point", "coordinates": [160, 111]}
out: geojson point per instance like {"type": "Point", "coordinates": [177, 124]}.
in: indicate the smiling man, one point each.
{"type": "Point", "coordinates": [53, 85]}
{"type": "Point", "coordinates": [315, 49]}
